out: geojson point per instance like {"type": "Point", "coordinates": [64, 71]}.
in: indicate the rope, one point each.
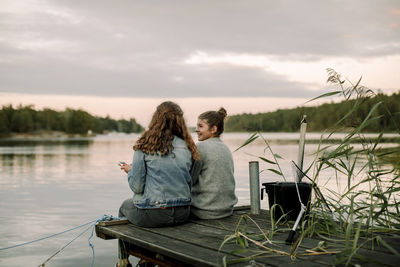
{"type": "Point", "coordinates": [46, 237]}
{"type": "Point", "coordinates": [52, 256]}
{"type": "Point", "coordinates": [92, 226]}
{"type": "Point", "coordinates": [104, 218]}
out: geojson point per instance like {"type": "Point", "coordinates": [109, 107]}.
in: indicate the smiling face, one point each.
{"type": "Point", "coordinates": [204, 131]}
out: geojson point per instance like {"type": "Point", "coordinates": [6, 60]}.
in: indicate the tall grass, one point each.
{"type": "Point", "coordinates": [368, 207]}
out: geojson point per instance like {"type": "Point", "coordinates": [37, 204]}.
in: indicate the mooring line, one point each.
{"type": "Point", "coordinates": [92, 226]}
{"type": "Point", "coordinates": [47, 237]}
{"type": "Point", "coordinates": [104, 218]}
{"type": "Point", "coordinates": [58, 251]}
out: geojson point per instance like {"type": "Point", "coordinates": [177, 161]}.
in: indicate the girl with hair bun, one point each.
{"type": "Point", "coordinates": [213, 190]}
{"type": "Point", "coordinates": [159, 175]}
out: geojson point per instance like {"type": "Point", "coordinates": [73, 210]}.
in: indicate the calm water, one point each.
{"type": "Point", "coordinates": [48, 187]}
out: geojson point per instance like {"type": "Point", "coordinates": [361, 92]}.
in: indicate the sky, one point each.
{"type": "Point", "coordinates": [123, 57]}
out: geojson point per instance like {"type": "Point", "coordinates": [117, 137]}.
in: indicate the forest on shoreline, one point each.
{"type": "Point", "coordinates": [322, 117]}
{"type": "Point", "coordinates": [25, 119]}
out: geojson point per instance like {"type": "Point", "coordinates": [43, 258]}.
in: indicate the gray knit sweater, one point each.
{"type": "Point", "coordinates": [213, 191]}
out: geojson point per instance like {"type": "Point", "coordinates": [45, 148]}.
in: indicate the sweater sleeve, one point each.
{"type": "Point", "coordinates": [195, 171]}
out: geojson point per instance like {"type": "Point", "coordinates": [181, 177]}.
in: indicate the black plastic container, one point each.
{"type": "Point", "coordinates": [285, 195]}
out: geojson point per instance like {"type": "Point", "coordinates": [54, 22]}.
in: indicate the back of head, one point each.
{"type": "Point", "coordinates": [215, 118]}
{"type": "Point", "coordinates": [168, 119]}
{"type": "Point", "coordinates": [167, 122]}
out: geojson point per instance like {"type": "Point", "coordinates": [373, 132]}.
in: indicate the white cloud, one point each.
{"type": "Point", "coordinates": [46, 45]}
{"type": "Point", "coordinates": [378, 72]}
{"type": "Point", "coordinates": [36, 8]}
{"type": "Point", "coordinates": [178, 79]}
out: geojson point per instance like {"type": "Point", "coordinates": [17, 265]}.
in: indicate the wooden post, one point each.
{"type": "Point", "coordinates": [254, 187]}
{"type": "Point", "coordinates": [302, 142]}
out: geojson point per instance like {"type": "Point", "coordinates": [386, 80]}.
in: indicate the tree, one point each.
{"type": "Point", "coordinates": [4, 129]}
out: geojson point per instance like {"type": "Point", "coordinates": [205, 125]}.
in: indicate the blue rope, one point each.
{"type": "Point", "coordinates": [58, 251]}
{"type": "Point", "coordinates": [104, 218]}
{"type": "Point", "coordinates": [94, 222]}
{"type": "Point", "coordinates": [47, 237]}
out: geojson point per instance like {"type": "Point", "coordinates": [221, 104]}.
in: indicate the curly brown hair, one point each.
{"type": "Point", "coordinates": [166, 123]}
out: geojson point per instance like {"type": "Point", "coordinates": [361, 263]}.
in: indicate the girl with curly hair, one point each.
{"type": "Point", "coordinates": [159, 175]}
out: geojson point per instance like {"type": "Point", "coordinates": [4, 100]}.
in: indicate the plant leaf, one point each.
{"type": "Point", "coordinates": [253, 137]}
{"type": "Point", "coordinates": [380, 240]}
{"type": "Point", "coordinates": [275, 171]}
{"type": "Point", "coordinates": [325, 95]}
{"type": "Point", "coordinates": [227, 239]}
{"type": "Point", "coordinates": [239, 251]}
{"type": "Point", "coordinates": [267, 160]}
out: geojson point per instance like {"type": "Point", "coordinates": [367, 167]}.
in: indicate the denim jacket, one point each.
{"type": "Point", "coordinates": [161, 181]}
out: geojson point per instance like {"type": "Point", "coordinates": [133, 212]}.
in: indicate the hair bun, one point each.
{"type": "Point", "coordinates": [222, 112]}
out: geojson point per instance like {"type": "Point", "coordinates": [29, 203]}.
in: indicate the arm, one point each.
{"type": "Point", "coordinates": [137, 174]}
{"type": "Point", "coordinates": [195, 171]}
{"type": "Point", "coordinates": [198, 165]}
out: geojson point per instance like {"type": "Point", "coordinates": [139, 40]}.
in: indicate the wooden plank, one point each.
{"type": "Point", "coordinates": [262, 220]}
{"type": "Point", "coordinates": [170, 247]}
{"type": "Point", "coordinates": [391, 239]}
{"type": "Point", "coordinates": [198, 243]}
{"type": "Point", "coordinates": [212, 239]}
{"type": "Point", "coordinates": [309, 243]}
{"type": "Point", "coordinates": [113, 222]}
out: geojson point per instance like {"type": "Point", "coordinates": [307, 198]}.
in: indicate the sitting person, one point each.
{"type": "Point", "coordinates": [213, 189]}
{"type": "Point", "coordinates": [159, 175]}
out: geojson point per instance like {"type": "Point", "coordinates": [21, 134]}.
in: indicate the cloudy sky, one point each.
{"type": "Point", "coordinates": [123, 57]}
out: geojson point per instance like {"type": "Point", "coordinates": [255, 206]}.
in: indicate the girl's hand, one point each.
{"type": "Point", "coordinates": [126, 167]}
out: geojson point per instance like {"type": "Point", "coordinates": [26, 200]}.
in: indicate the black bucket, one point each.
{"type": "Point", "coordinates": [285, 195]}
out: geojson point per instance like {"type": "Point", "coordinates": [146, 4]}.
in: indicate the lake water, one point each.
{"type": "Point", "coordinates": [47, 187]}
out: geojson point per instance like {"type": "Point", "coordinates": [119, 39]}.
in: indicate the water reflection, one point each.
{"type": "Point", "coordinates": [41, 162]}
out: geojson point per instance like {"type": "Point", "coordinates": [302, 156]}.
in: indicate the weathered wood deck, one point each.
{"type": "Point", "coordinates": [198, 242]}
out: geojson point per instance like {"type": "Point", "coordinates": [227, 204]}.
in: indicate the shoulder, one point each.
{"type": "Point", "coordinates": [213, 144]}
{"type": "Point", "coordinates": [138, 153]}
{"type": "Point", "coordinates": [178, 142]}
{"type": "Point", "coordinates": [209, 143]}
{"type": "Point", "coordinates": [215, 141]}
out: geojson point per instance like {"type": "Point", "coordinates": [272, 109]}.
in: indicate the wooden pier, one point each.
{"type": "Point", "coordinates": [198, 243]}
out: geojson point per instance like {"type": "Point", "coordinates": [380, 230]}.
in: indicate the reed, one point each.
{"type": "Point", "coordinates": [365, 209]}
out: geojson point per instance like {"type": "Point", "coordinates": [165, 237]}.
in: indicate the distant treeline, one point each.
{"type": "Point", "coordinates": [323, 117]}
{"type": "Point", "coordinates": [25, 119]}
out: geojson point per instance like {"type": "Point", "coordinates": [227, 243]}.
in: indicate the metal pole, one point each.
{"type": "Point", "coordinates": [302, 142]}
{"type": "Point", "coordinates": [292, 232]}
{"type": "Point", "coordinates": [254, 187]}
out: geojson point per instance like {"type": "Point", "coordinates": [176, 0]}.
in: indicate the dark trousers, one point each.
{"type": "Point", "coordinates": [150, 218]}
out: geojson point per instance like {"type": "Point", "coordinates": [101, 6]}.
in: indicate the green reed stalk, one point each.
{"type": "Point", "coordinates": [369, 204]}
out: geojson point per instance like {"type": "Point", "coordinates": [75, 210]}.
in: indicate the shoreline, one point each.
{"type": "Point", "coordinates": [46, 136]}
{"type": "Point", "coordinates": [311, 137]}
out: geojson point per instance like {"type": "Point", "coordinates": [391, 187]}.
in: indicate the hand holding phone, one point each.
{"type": "Point", "coordinates": [125, 166]}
